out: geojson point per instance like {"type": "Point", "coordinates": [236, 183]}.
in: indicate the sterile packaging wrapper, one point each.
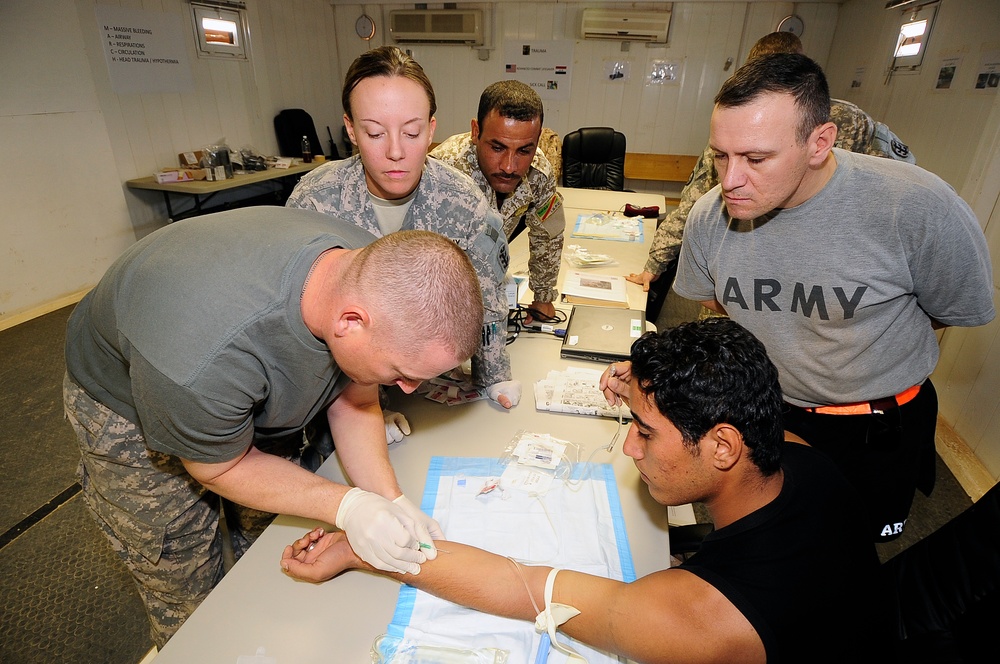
{"type": "Point", "coordinates": [395, 650]}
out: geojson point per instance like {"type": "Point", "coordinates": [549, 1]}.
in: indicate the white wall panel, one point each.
{"type": "Point", "coordinates": [954, 133]}
{"type": "Point", "coordinates": [63, 213]}
{"type": "Point", "coordinates": [942, 127]}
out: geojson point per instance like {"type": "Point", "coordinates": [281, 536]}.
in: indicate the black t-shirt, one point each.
{"type": "Point", "coordinates": [802, 569]}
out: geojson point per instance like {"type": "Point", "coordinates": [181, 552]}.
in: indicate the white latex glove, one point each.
{"type": "Point", "coordinates": [381, 532]}
{"type": "Point", "coordinates": [396, 426]}
{"type": "Point", "coordinates": [508, 390]}
{"type": "Point", "coordinates": [425, 524]}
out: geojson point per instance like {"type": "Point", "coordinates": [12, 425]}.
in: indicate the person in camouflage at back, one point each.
{"type": "Point", "coordinates": [391, 185]}
{"type": "Point", "coordinates": [856, 131]}
{"type": "Point", "coordinates": [501, 154]}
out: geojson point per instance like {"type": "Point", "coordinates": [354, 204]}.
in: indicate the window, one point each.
{"type": "Point", "coordinates": [220, 29]}
{"type": "Point", "coordinates": [911, 42]}
{"type": "Point", "coordinates": [911, 38]}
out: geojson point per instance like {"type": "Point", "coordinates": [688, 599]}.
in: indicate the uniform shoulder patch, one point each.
{"type": "Point", "coordinates": [545, 210]}
{"type": "Point", "coordinates": [901, 150]}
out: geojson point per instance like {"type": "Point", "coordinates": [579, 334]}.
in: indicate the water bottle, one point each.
{"type": "Point", "coordinates": [307, 153]}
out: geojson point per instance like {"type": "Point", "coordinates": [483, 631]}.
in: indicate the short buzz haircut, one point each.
{"type": "Point", "coordinates": [776, 42]}
{"type": "Point", "coordinates": [781, 73]}
{"type": "Point", "coordinates": [387, 61]}
{"type": "Point", "coordinates": [713, 371]}
{"type": "Point", "coordinates": [424, 285]}
{"type": "Point", "coordinates": [510, 99]}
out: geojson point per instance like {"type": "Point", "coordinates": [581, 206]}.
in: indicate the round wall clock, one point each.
{"type": "Point", "coordinates": [365, 27]}
{"type": "Point", "coordinates": [792, 24]}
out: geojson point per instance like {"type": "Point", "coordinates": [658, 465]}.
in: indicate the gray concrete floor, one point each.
{"type": "Point", "coordinates": [64, 594]}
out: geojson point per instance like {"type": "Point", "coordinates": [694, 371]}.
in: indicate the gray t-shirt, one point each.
{"type": "Point", "coordinates": [840, 289]}
{"type": "Point", "coordinates": [196, 333]}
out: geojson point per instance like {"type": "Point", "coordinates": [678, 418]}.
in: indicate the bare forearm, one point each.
{"type": "Point", "coordinates": [272, 484]}
{"type": "Point", "coordinates": [481, 580]}
{"type": "Point", "coordinates": [358, 431]}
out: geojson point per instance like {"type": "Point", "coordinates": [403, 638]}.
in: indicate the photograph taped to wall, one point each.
{"type": "Point", "coordinates": [662, 72]}
{"type": "Point", "coordinates": [617, 71]}
{"type": "Point", "coordinates": [988, 75]}
{"type": "Point", "coordinates": [946, 72]}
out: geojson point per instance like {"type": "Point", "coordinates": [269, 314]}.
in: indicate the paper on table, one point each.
{"type": "Point", "coordinates": [603, 287]}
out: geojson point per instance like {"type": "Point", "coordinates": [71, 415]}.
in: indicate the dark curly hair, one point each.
{"type": "Point", "coordinates": [709, 372]}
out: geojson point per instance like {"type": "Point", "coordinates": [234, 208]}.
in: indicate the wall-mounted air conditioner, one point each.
{"type": "Point", "coordinates": [624, 25]}
{"type": "Point", "coordinates": [436, 26]}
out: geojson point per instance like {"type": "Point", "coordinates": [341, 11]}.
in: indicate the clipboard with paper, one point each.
{"type": "Point", "coordinates": [569, 518]}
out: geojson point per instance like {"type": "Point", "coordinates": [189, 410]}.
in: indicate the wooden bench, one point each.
{"type": "Point", "coordinates": [660, 168]}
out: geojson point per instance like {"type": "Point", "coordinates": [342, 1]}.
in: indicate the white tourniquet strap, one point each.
{"type": "Point", "coordinates": [555, 615]}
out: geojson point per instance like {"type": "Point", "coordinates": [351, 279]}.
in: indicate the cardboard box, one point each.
{"type": "Point", "coordinates": [216, 173]}
{"type": "Point", "coordinates": [187, 173]}
{"type": "Point", "coordinates": [190, 159]}
{"type": "Point", "coordinates": [179, 175]}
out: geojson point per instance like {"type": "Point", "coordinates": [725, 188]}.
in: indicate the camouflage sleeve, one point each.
{"type": "Point", "coordinates": [545, 244]}
{"type": "Point", "coordinates": [667, 240]}
{"type": "Point", "coordinates": [302, 194]}
{"type": "Point", "coordinates": [886, 144]}
{"type": "Point", "coordinates": [859, 132]}
{"type": "Point", "coordinates": [490, 256]}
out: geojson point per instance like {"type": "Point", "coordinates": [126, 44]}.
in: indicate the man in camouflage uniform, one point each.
{"type": "Point", "coordinates": [856, 132]}
{"type": "Point", "coordinates": [501, 155]}
{"type": "Point", "coordinates": [195, 363]}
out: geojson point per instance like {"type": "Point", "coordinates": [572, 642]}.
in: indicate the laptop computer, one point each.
{"type": "Point", "coordinates": [601, 334]}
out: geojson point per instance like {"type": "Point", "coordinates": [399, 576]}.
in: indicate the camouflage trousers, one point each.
{"type": "Point", "coordinates": [161, 522]}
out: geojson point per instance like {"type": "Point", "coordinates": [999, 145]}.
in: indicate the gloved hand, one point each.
{"type": "Point", "coordinates": [396, 426]}
{"type": "Point", "coordinates": [381, 532]}
{"type": "Point", "coordinates": [506, 393]}
{"type": "Point", "coordinates": [428, 529]}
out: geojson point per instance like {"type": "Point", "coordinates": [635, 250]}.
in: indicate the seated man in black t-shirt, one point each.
{"type": "Point", "coordinates": [787, 575]}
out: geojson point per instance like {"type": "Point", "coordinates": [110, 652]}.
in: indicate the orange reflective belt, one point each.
{"type": "Point", "coordinates": [868, 407]}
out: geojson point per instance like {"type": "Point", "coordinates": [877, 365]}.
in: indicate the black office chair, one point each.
{"type": "Point", "coordinates": [944, 591]}
{"type": "Point", "coordinates": [290, 125]}
{"type": "Point", "coordinates": [594, 158]}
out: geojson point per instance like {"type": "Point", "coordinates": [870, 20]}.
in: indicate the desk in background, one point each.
{"type": "Point", "coordinates": [201, 191]}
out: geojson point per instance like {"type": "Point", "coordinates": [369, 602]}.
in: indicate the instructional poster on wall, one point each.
{"type": "Point", "coordinates": [988, 74]}
{"type": "Point", "coordinates": [946, 72]}
{"type": "Point", "coordinates": [544, 65]}
{"type": "Point", "coordinates": [144, 50]}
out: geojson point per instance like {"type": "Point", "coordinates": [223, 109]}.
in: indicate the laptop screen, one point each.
{"type": "Point", "coordinates": [602, 334]}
